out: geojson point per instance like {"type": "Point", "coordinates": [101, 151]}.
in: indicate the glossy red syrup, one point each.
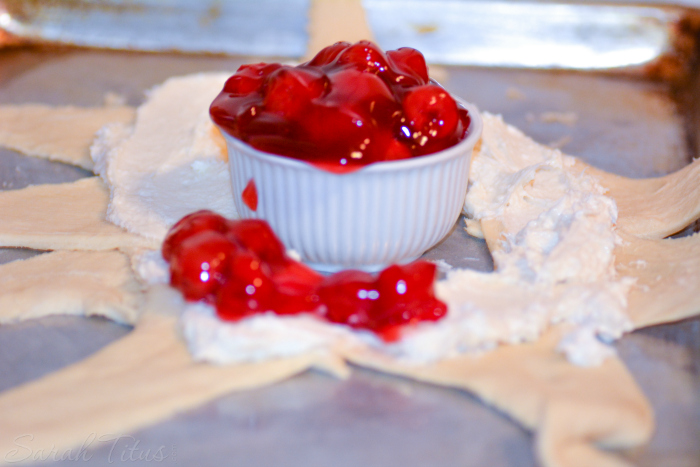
{"type": "Point", "coordinates": [250, 195]}
{"type": "Point", "coordinates": [351, 105]}
{"type": "Point", "coordinates": [241, 268]}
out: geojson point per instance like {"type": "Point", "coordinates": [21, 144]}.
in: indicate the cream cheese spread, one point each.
{"type": "Point", "coordinates": [261, 337]}
{"type": "Point", "coordinates": [172, 162]}
{"type": "Point", "coordinates": [555, 264]}
{"type": "Point", "coordinates": [559, 237]}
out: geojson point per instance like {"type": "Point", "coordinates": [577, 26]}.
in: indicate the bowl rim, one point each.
{"type": "Point", "coordinates": [474, 133]}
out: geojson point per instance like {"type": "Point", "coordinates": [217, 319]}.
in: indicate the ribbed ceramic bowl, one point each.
{"type": "Point", "coordinates": [384, 213]}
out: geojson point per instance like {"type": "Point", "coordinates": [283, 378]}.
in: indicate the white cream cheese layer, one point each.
{"type": "Point", "coordinates": [555, 264]}
{"type": "Point", "coordinates": [261, 337]}
{"type": "Point", "coordinates": [172, 162]}
{"type": "Point", "coordinates": [559, 239]}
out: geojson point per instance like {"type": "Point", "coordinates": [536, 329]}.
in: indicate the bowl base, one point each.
{"type": "Point", "coordinates": [331, 268]}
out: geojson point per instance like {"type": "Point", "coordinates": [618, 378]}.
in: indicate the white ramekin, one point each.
{"type": "Point", "coordinates": [384, 213]}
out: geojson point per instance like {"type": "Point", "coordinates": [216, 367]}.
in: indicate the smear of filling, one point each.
{"type": "Point", "coordinates": [555, 264]}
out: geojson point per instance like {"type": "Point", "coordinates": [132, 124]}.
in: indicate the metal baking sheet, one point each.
{"type": "Point", "coordinates": [624, 123]}
{"type": "Point", "coordinates": [516, 33]}
{"type": "Point", "coordinates": [573, 35]}
{"type": "Point", "coordinates": [264, 27]}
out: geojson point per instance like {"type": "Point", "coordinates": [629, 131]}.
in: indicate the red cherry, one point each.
{"type": "Point", "coordinates": [235, 113]}
{"type": "Point", "coordinates": [418, 277]}
{"type": "Point", "coordinates": [257, 236]}
{"type": "Point", "coordinates": [431, 111]}
{"type": "Point", "coordinates": [406, 295]}
{"type": "Point", "coordinates": [249, 78]}
{"type": "Point", "coordinates": [232, 307]}
{"type": "Point", "coordinates": [348, 127]}
{"type": "Point", "coordinates": [256, 122]}
{"type": "Point", "coordinates": [408, 62]}
{"type": "Point", "coordinates": [289, 90]}
{"type": "Point", "coordinates": [248, 288]}
{"type": "Point", "coordinates": [297, 287]}
{"type": "Point", "coordinates": [365, 95]}
{"type": "Point", "coordinates": [328, 54]}
{"type": "Point", "coordinates": [241, 85]}
{"type": "Point", "coordinates": [295, 278]}
{"type": "Point", "coordinates": [336, 149]}
{"type": "Point", "coordinates": [190, 225]}
{"type": "Point", "coordinates": [290, 146]}
{"type": "Point", "coordinates": [364, 56]}
{"type": "Point", "coordinates": [201, 264]}
{"type": "Point", "coordinates": [385, 146]}
{"type": "Point", "coordinates": [356, 90]}
{"type": "Point", "coordinates": [349, 297]}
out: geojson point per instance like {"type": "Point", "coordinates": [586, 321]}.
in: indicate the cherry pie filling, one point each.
{"type": "Point", "coordinates": [241, 268]}
{"type": "Point", "coordinates": [350, 106]}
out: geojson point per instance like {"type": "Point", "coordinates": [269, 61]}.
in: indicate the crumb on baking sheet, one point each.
{"type": "Point", "coordinates": [425, 28]}
{"type": "Point", "coordinates": [113, 99]}
{"type": "Point", "coordinates": [560, 143]}
{"type": "Point", "coordinates": [515, 94]}
{"type": "Point", "coordinates": [565, 118]}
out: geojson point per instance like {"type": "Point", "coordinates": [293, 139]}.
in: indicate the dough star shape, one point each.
{"type": "Point", "coordinates": [64, 136]}
{"type": "Point", "coordinates": [579, 414]}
